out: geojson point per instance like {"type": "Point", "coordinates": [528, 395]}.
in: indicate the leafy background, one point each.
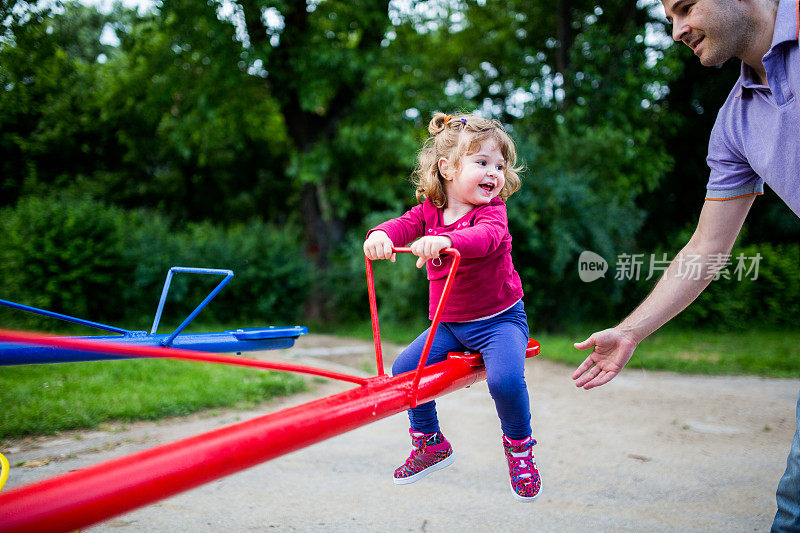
{"type": "Point", "coordinates": [268, 136]}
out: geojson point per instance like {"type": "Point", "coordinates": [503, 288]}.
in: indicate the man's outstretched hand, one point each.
{"type": "Point", "coordinates": [611, 351]}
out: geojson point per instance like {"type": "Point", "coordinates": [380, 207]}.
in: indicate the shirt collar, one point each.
{"type": "Point", "coordinates": [786, 23]}
{"type": "Point", "coordinates": [746, 76]}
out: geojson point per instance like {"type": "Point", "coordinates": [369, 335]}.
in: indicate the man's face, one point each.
{"type": "Point", "coordinates": [716, 30]}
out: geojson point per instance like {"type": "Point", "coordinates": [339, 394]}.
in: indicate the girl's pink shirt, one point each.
{"type": "Point", "coordinates": [486, 282]}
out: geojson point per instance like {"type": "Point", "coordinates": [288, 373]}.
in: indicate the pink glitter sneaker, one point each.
{"type": "Point", "coordinates": [431, 452]}
{"type": "Point", "coordinates": [525, 481]}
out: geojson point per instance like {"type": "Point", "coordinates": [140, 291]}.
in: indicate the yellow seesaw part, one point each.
{"type": "Point", "coordinates": [3, 470]}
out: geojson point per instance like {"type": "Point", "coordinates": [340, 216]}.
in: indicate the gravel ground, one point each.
{"type": "Point", "coordinates": [650, 451]}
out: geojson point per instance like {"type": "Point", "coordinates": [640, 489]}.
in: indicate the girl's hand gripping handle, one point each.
{"type": "Point", "coordinates": [426, 248]}
{"type": "Point", "coordinates": [379, 246]}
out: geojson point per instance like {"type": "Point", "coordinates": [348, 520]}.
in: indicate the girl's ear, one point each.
{"type": "Point", "coordinates": [444, 166]}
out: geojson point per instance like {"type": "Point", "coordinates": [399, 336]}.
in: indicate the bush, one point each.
{"type": "Point", "coordinates": [83, 258]}
{"type": "Point", "coordinates": [271, 275]}
{"type": "Point", "coordinates": [769, 297]}
{"type": "Point", "coordinates": [64, 255]}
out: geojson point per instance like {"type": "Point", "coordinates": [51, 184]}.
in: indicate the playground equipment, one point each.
{"type": "Point", "coordinates": [85, 497]}
{"type": "Point", "coordinates": [4, 468]}
{"type": "Point", "coordinates": [238, 340]}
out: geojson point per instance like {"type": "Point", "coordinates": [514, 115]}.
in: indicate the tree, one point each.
{"type": "Point", "coordinates": [309, 114]}
{"type": "Point", "coordinates": [318, 59]}
{"type": "Point", "coordinates": [47, 114]}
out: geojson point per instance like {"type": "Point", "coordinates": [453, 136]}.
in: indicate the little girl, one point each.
{"type": "Point", "coordinates": [466, 170]}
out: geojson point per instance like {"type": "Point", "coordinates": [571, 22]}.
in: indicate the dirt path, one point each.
{"type": "Point", "coordinates": [650, 451]}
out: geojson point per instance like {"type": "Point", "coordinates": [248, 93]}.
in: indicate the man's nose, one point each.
{"type": "Point", "coordinates": [679, 29]}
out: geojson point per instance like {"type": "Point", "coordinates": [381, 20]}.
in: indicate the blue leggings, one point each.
{"type": "Point", "coordinates": [502, 341]}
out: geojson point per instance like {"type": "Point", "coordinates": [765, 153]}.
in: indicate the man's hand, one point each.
{"type": "Point", "coordinates": [719, 224]}
{"type": "Point", "coordinates": [379, 246]}
{"type": "Point", "coordinates": [429, 247]}
{"type": "Point", "coordinates": [612, 349]}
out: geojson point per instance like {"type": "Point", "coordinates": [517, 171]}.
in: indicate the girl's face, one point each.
{"type": "Point", "coordinates": [477, 179]}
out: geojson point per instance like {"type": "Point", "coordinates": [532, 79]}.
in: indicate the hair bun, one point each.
{"type": "Point", "coordinates": [438, 123]}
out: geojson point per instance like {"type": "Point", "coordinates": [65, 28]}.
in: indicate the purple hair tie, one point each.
{"type": "Point", "coordinates": [464, 121]}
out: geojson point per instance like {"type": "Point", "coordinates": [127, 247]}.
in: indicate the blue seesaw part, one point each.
{"type": "Point", "coordinates": [235, 340]}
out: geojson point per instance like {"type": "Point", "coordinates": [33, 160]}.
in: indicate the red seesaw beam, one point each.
{"type": "Point", "coordinates": [85, 497]}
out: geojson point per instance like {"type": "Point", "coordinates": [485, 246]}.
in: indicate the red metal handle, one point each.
{"type": "Point", "coordinates": [373, 308]}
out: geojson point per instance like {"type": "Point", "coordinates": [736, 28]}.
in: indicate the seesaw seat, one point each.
{"type": "Point", "coordinates": [476, 359]}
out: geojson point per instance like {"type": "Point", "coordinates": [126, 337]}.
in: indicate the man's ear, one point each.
{"type": "Point", "coordinates": [444, 166]}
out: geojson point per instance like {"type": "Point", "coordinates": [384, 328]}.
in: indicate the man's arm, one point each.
{"type": "Point", "coordinates": [717, 229]}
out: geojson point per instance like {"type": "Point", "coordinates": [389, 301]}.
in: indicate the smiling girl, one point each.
{"type": "Point", "coordinates": [466, 171]}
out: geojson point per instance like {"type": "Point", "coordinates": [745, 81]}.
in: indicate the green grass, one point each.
{"type": "Point", "coordinates": [45, 399]}
{"type": "Point", "coordinates": [758, 353]}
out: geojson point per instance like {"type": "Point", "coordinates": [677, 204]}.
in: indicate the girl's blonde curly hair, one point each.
{"type": "Point", "coordinates": [452, 137]}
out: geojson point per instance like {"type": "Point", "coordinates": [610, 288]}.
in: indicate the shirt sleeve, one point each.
{"type": "Point", "coordinates": [486, 233]}
{"type": "Point", "coordinates": [404, 229]}
{"type": "Point", "coordinates": [731, 176]}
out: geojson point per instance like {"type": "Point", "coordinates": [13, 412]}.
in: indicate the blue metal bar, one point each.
{"type": "Point", "coordinates": [230, 341]}
{"type": "Point", "coordinates": [64, 317]}
{"type": "Point", "coordinates": [161, 301]}
{"type": "Point", "coordinates": [190, 270]}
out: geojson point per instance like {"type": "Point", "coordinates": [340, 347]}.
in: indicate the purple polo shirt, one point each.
{"type": "Point", "coordinates": [756, 137]}
{"type": "Point", "coordinates": [486, 281]}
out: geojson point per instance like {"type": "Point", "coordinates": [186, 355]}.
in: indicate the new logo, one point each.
{"type": "Point", "coordinates": [591, 266]}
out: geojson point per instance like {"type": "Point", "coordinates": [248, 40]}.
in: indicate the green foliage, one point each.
{"type": "Point", "coordinates": [758, 351]}
{"type": "Point", "coordinates": [267, 136]}
{"type": "Point", "coordinates": [83, 258]}
{"type": "Point", "coordinates": [271, 280]}
{"type": "Point", "coordinates": [761, 287]}
{"type": "Point", "coordinates": [552, 220]}
{"type": "Point", "coordinates": [65, 255]}
{"type": "Point", "coordinates": [82, 395]}
{"type": "Point", "coordinates": [50, 132]}
{"type": "Point", "coordinates": [197, 135]}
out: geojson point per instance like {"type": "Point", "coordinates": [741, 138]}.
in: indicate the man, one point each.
{"type": "Point", "coordinates": [756, 139]}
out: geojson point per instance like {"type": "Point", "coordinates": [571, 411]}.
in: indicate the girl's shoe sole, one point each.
{"type": "Point", "coordinates": [523, 498]}
{"type": "Point", "coordinates": [444, 463]}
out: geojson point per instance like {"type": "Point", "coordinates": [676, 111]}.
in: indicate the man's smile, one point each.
{"type": "Point", "coordinates": [695, 43]}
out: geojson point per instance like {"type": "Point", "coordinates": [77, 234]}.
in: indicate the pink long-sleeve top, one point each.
{"type": "Point", "coordinates": [486, 282]}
